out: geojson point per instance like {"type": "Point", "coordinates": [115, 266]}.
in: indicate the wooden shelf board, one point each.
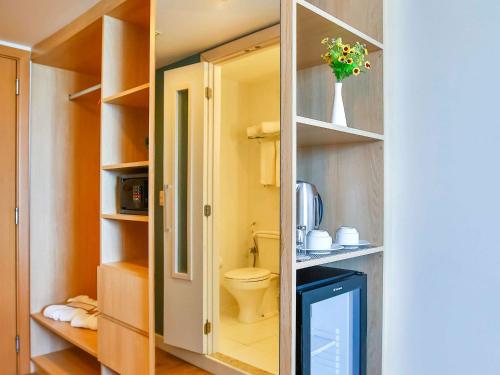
{"type": "Point", "coordinates": [314, 24]}
{"type": "Point", "coordinates": [339, 255]}
{"type": "Point", "coordinates": [84, 339]}
{"type": "Point", "coordinates": [88, 92]}
{"type": "Point", "coordinates": [136, 266]}
{"type": "Point", "coordinates": [67, 362]}
{"type": "Point", "coordinates": [139, 218]}
{"type": "Point", "coordinates": [126, 166]}
{"type": "Point", "coordinates": [134, 97]}
{"type": "Point", "coordinates": [312, 132]}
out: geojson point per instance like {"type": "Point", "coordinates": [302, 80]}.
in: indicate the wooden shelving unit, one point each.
{"type": "Point", "coordinates": [92, 123]}
{"type": "Point", "coordinates": [84, 339]}
{"type": "Point", "coordinates": [134, 97]}
{"type": "Point", "coordinates": [67, 362]}
{"type": "Point", "coordinates": [338, 256]}
{"type": "Point", "coordinates": [122, 167]}
{"type": "Point", "coordinates": [345, 163]}
{"type": "Point", "coordinates": [312, 132]}
{"type": "Point", "coordinates": [138, 218]}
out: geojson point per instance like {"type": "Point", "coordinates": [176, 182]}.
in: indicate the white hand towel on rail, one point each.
{"type": "Point", "coordinates": [267, 162]}
{"type": "Point", "coordinates": [278, 163]}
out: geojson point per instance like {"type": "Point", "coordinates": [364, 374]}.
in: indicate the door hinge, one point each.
{"type": "Point", "coordinates": [17, 86]}
{"type": "Point", "coordinates": [18, 345]}
{"type": "Point", "coordinates": [16, 215]}
{"type": "Point", "coordinates": [207, 210]}
{"type": "Point", "coordinates": [207, 327]}
{"type": "Point", "coordinates": [208, 92]}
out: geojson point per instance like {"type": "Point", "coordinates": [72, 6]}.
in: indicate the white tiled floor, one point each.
{"type": "Point", "coordinates": [256, 343]}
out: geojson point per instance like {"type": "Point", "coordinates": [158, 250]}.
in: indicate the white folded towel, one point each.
{"type": "Point", "coordinates": [85, 320]}
{"type": "Point", "coordinates": [278, 163]}
{"type": "Point", "coordinates": [61, 313]}
{"type": "Point", "coordinates": [81, 311]}
{"type": "Point", "coordinates": [267, 162]}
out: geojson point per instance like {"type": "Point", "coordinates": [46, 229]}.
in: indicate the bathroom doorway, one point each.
{"type": "Point", "coordinates": [246, 216]}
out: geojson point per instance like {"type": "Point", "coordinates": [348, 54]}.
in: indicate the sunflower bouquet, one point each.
{"type": "Point", "coordinates": [345, 60]}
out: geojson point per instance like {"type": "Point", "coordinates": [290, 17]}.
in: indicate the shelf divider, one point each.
{"type": "Point", "coordinates": [125, 166]}
{"type": "Point", "coordinates": [134, 97]}
{"type": "Point", "coordinates": [124, 217]}
{"type": "Point", "coordinates": [311, 132]}
{"type": "Point", "coordinates": [338, 256]}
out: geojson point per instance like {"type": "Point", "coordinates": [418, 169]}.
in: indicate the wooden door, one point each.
{"type": "Point", "coordinates": [8, 285]}
{"type": "Point", "coordinates": [186, 124]}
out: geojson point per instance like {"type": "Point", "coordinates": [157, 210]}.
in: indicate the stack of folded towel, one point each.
{"type": "Point", "coordinates": [81, 311]}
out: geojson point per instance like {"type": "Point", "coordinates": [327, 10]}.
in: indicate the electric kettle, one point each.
{"type": "Point", "coordinates": [309, 206]}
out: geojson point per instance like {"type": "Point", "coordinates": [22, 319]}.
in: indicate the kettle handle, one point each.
{"type": "Point", "coordinates": [318, 212]}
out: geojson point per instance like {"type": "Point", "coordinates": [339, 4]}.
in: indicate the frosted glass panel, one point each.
{"type": "Point", "coordinates": [333, 335]}
{"type": "Point", "coordinates": [181, 264]}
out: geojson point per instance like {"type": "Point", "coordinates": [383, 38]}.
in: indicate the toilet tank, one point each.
{"type": "Point", "coordinates": [268, 245]}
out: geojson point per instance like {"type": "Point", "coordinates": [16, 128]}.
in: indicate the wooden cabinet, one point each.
{"type": "Point", "coordinates": [92, 85]}
{"type": "Point", "coordinates": [123, 293]}
{"type": "Point", "coordinates": [122, 349]}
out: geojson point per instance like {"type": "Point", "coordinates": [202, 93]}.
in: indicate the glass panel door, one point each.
{"type": "Point", "coordinates": [335, 335]}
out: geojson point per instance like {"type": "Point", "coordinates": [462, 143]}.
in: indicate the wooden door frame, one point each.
{"type": "Point", "coordinates": [22, 170]}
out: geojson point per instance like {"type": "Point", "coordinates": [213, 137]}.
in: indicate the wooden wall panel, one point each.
{"type": "Point", "coordinates": [362, 95]}
{"type": "Point", "coordinates": [64, 193]}
{"type": "Point", "coordinates": [364, 15]}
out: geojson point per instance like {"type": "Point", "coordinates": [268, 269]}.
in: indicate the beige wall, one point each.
{"type": "Point", "coordinates": [243, 199]}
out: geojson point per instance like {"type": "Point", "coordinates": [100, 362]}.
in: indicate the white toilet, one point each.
{"type": "Point", "coordinates": [256, 289]}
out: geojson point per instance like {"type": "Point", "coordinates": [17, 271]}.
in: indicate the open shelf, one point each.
{"type": "Point", "coordinates": [67, 362]}
{"type": "Point", "coordinates": [312, 132]}
{"type": "Point", "coordinates": [134, 97]}
{"type": "Point", "coordinates": [91, 92]}
{"type": "Point", "coordinates": [123, 217]}
{"type": "Point", "coordinates": [126, 166]}
{"type": "Point", "coordinates": [314, 24]}
{"type": "Point", "coordinates": [84, 339]}
{"type": "Point", "coordinates": [338, 256]}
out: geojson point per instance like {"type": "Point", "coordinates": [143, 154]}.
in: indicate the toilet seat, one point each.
{"type": "Point", "coordinates": [248, 274]}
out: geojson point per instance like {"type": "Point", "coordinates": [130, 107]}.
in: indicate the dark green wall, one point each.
{"type": "Point", "coordinates": [159, 185]}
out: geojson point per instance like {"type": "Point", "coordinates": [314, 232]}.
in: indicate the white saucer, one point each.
{"type": "Point", "coordinates": [361, 243]}
{"type": "Point", "coordinates": [335, 247]}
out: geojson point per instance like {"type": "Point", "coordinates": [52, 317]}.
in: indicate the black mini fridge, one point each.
{"type": "Point", "coordinates": [331, 321]}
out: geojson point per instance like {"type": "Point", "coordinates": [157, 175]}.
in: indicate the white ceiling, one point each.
{"type": "Point", "coordinates": [26, 22]}
{"type": "Point", "coordinates": [191, 26]}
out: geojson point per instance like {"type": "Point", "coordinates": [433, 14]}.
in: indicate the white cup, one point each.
{"type": "Point", "coordinates": [319, 240]}
{"type": "Point", "coordinates": [347, 236]}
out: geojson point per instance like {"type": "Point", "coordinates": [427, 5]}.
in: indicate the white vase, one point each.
{"type": "Point", "coordinates": [338, 113]}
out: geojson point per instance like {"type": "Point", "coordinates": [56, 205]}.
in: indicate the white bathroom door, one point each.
{"type": "Point", "coordinates": [186, 215]}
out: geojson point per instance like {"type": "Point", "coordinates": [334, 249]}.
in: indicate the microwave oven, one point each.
{"type": "Point", "coordinates": [133, 194]}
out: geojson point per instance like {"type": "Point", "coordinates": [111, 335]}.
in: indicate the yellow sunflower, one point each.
{"type": "Point", "coordinates": [356, 71]}
{"type": "Point", "coordinates": [342, 59]}
{"type": "Point", "coordinates": [368, 65]}
{"type": "Point", "coordinates": [346, 48]}
{"type": "Point", "coordinates": [350, 61]}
